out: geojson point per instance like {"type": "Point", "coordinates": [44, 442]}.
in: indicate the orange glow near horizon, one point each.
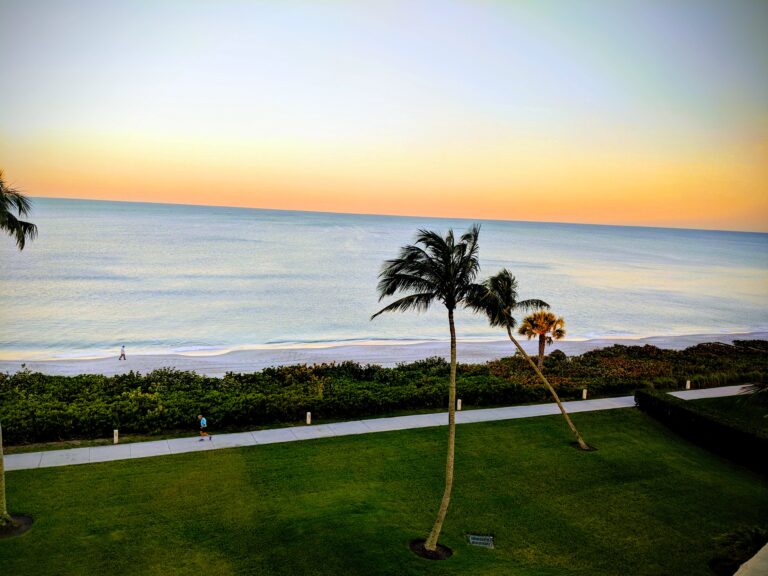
{"type": "Point", "coordinates": [493, 179]}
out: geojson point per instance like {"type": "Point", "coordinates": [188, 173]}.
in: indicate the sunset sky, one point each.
{"type": "Point", "coordinates": [617, 112]}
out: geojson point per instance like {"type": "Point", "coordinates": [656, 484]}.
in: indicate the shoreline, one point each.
{"type": "Point", "coordinates": [390, 354]}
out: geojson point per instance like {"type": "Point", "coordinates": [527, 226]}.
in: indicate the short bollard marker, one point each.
{"type": "Point", "coordinates": [583, 393]}
{"type": "Point", "coordinates": [458, 405]}
{"type": "Point", "coordinates": [687, 384]}
{"type": "Point", "coordinates": [309, 417]}
{"type": "Point", "coordinates": [114, 436]}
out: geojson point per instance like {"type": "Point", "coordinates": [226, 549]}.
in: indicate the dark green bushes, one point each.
{"type": "Point", "coordinates": [35, 407]}
{"type": "Point", "coordinates": [712, 430]}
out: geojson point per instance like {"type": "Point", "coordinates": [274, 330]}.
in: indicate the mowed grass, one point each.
{"type": "Point", "coordinates": [646, 503]}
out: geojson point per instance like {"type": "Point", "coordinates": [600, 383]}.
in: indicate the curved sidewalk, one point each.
{"type": "Point", "coordinates": [112, 452]}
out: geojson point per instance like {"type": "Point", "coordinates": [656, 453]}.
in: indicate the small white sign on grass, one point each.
{"type": "Point", "coordinates": [478, 540]}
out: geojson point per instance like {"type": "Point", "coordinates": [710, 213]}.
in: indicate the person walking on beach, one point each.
{"type": "Point", "coordinates": [122, 353]}
{"type": "Point", "coordinates": [203, 427]}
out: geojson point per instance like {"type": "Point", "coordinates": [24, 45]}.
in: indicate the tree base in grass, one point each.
{"type": "Point", "coordinates": [440, 553]}
{"type": "Point", "coordinates": [587, 449]}
{"type": "Point", "coordinates": [19, 525]}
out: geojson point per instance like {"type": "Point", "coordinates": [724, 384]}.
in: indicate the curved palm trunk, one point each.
{"type": "Point", "coordinates": [542, 343]}
{"type": "Point", "coordinates": [431, 543]}
{"type": "Point", "coordinates": [5, 518]}
{"type": "Point", "coordinates": [583, 445]}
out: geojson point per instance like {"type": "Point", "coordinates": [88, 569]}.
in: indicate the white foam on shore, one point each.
{"type": "Point", "coordinates": [219, 350]}
{"type": "Point", "coordinates": [213, 363]}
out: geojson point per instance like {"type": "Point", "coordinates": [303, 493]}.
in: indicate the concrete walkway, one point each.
{"type": "Point", "coordinates": [193, 444]}
{"type": "Point", "coordinates": [757, 565]}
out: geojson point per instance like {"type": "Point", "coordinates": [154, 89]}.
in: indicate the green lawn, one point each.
{"type": "Point", "coordinates": [645, 503]}
{"type": "Point", "coordinates": [740, 408]}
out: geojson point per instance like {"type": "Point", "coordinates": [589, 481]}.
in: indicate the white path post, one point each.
{"type": "Point", "coordinates": [114, 436]}
{"type": "Point", "coordinates": [583, 393]}
{"type": "Point", "coordinates": [458, 405]}
{"type": "Point", "coordinates": [309, 417]}
{"type": "Point", "coordinates": [687, 384]}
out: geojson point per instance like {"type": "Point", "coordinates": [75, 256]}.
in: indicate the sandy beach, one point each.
{"type": "Point", "coordinates": [383, 354]}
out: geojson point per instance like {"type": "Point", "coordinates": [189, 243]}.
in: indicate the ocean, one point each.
{"type": "Point", "coordinates": [165, 279]}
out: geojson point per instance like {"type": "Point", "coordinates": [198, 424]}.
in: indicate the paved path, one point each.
{"type": "Point", "coordinates": [757, 565]}
{"type": "Point", "coordinates": [193, 444]}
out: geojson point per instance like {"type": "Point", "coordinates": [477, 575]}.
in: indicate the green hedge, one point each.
{"type": "Point", "coordinates": [35, 407]}
{"type": "Point", "coordinates": [714, 431]}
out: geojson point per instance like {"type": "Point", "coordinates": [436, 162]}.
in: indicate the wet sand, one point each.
{"type": "Point", "coordinates": [383, 354]}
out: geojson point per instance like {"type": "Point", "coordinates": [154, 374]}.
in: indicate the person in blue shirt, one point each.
{"type": "Point", "coordinates": [203, 427]}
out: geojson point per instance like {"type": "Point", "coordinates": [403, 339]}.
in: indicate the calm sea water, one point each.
{"type": "Point", "coordinates": [162, 279]}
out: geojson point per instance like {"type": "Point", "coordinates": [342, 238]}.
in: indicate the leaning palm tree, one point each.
{"type": "Point", "coordinates": [497, 298]}
{"type": "Point", "coordinates": [544, 325]}
{"type": "Point", "coordinates": [435, 269]}
{"type": "Point", "coordinates": [14, 201]}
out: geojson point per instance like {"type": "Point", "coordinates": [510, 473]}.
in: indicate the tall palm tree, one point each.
{"type": "Point", "coordinates": [14, 201]}
{"type": "Point", "coordinates": [544, 325]}
{"type": "Point", "coordinates": [497, 298]}
{"type": "Point", "coordinates": [435, 269]}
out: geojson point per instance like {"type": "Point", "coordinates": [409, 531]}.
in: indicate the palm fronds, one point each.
{"type": "Point", "coordinates": [496, 297]}
{"type": "Point", "coordinates": [434, 268]}
{"type": "Point", "coordinates": [543, 323]}
{"type": "Point", "coordinates": [12, 200]}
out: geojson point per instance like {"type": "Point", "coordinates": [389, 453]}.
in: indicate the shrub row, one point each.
{"type": "Point", "coordinates": [35, 407]}
{"type": "Point", "coordinates": [152, 404]}
{"type": "Point", "coordinates": [711, 430]}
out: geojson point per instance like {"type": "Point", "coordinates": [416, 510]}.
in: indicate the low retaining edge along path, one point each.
{"type": "Point", "coordinates": [112, 452]}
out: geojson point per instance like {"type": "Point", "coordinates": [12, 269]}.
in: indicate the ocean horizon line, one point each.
{"type": "Point", "coordinates": [403, 216]}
